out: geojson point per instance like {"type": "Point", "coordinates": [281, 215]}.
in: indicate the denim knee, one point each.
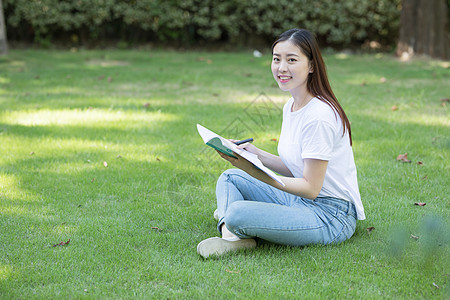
{"type": "Point", "coordinates": [235, 218]}
{"type": "Point", "coordinates": [232, 218]}
{"type": "Point", "coordinates": [230, 173]}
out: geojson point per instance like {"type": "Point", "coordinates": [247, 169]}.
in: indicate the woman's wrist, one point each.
{"type": "Point", "coordinates": [263, 155]}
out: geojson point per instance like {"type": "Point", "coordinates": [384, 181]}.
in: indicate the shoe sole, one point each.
{"type": "Point", "coordinates": [218, 246]}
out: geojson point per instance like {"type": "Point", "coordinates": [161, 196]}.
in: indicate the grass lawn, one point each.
{"type": "Point", "coordinates": [106, 188]}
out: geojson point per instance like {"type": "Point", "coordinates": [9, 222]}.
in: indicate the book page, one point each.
{"type": "Point", "coordinates": [207, 135]}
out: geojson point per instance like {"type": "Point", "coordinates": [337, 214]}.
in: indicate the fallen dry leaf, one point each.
{"type": "Point", "coordinates": [414, 237]}
{"type": "Point", "coordinates": [394, 108]}
{"type": "Point", "coordinates": [62, 244]}
{"type": "Point", "coordinates": [383, 79]}
{"type": "Point", "coordinates": [436, 286]}
{"type": "Point", "coordinates": [420, 163]}
{"type": "Point", "coordinates": [273, 140]}
{"type": "Point", "coordinates": [370, 229]}
{"type": "Point", "coordinates": [233, 272]}
{"type": "Point", "coordinates": [93, 179]}
{"type": "Point", "coordinates": [420, 203]}
{"type": "Point", "coordinates": [31, 153]}
{"type": "Point", "coordinates": [403, 158]}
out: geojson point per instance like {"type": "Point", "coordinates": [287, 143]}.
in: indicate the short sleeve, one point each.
{"type": "Point", "coordinates": [318, 140]}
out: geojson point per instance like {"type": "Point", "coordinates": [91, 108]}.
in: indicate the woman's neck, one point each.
{"type": "Point", "coordinates": [300, 100]}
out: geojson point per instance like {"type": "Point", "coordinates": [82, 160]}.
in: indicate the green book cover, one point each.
{"type": "Point", "coordinates": [216, 143]}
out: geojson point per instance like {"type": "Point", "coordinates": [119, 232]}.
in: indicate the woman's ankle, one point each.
{"type": "Point", "coordinates": [228, 235]}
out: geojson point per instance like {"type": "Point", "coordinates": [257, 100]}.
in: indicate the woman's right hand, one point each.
{"type": "Point", "coordinates": [247, 146]}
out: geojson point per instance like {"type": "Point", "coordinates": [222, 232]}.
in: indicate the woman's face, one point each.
{"type": "Point", "coordinates": [290, 67]}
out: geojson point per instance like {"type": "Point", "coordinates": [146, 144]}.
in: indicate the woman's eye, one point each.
{"type": "Point", "coordinates": [276, 59]}
{"type": "Point", "coordinates": [292, 59]}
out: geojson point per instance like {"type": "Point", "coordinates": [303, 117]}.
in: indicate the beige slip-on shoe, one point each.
{"type": "Point", "coordinates": [219, 246]}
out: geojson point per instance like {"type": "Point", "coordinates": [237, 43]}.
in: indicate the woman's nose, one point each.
{"type": "Point", "coordinates": [282, 67]}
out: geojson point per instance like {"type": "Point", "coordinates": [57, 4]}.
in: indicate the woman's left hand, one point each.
{"type": "Point", "coordinates": [239, 162]}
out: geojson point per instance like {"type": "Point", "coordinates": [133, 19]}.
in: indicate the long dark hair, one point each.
{"type": "Point", "coordinates": [317, 83]}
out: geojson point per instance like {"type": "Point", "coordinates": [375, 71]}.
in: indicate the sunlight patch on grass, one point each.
{"type": "Point", "coordinates": [409, 116]}
{"type": "Point", "coordinates": [107, 63]}
{"type": "Point", "coordinates": [424, 119]}
{"type": "Point", "coordinates": [8, 186]}
{"type": "Point", "coordinates": [228, 96]}
{"type": "Point", "coordinates": [149, 88]}
{"type": "Point", "coordinates": [440, 63]}
{"type": "Point", "coordinates": [363, 79]}
{"type": "Point", "coordinates": [79, 166]}
{"type": "Point", "coordinates": [14, 210]}
{"type": "Point", "coordinates": [99, 117]}
{"type": "Point", "coordinates": [86, 163]}
{"type": "Point", "coordinates": [413, 83]}
{"type": "Point", "coordinates": [16, 65]}
{"type": "Point", "coordinates": [64, 89]}
{"type": "Point", "coordinates": [342, 56]}
{"type": "Point", "coordinates": [13, 197]}
{"type": "Point", "coordinates": [5, 271]}
{"type": "Point", "coordinates": [4, 80]}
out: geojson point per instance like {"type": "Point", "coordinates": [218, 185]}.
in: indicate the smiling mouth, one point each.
{"type": "Point", "coordinates": [284, 79]}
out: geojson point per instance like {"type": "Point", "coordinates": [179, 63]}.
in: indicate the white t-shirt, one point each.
{"type": "Point", "coordinates": [315, 131]}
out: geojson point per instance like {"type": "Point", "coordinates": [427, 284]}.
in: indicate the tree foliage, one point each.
{"type": "Point", "coordinates": [336, 22]}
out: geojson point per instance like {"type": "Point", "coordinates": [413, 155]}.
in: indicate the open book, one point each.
{"type": "Point", "coordinates": [229, 148]}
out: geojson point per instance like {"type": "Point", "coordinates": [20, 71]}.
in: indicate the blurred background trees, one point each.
{"type": "Point", "coordinates": [3, 40]}
{"type": "Point", "coordinates": [196, 23]}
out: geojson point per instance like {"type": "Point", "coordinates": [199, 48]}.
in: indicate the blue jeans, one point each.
{"type": "Point", "coordinates": [250, 208]}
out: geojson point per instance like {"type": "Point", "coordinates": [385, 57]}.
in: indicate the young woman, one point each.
{"type": "Point", "coordinates": [320, 201]}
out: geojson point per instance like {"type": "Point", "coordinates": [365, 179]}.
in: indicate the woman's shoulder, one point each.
{"type": "Point", "coordinates": [321, 111]}
{"type": "Point", "coordinates": [322, 115]}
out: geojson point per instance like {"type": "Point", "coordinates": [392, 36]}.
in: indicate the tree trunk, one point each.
{"type": "Point", "coordinates": [3, 41]}
{"type": "Point", "coordinates": [424, 29]}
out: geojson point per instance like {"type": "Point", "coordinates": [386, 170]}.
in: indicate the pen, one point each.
{"type": "Point", "coordinates": [244, 141]}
